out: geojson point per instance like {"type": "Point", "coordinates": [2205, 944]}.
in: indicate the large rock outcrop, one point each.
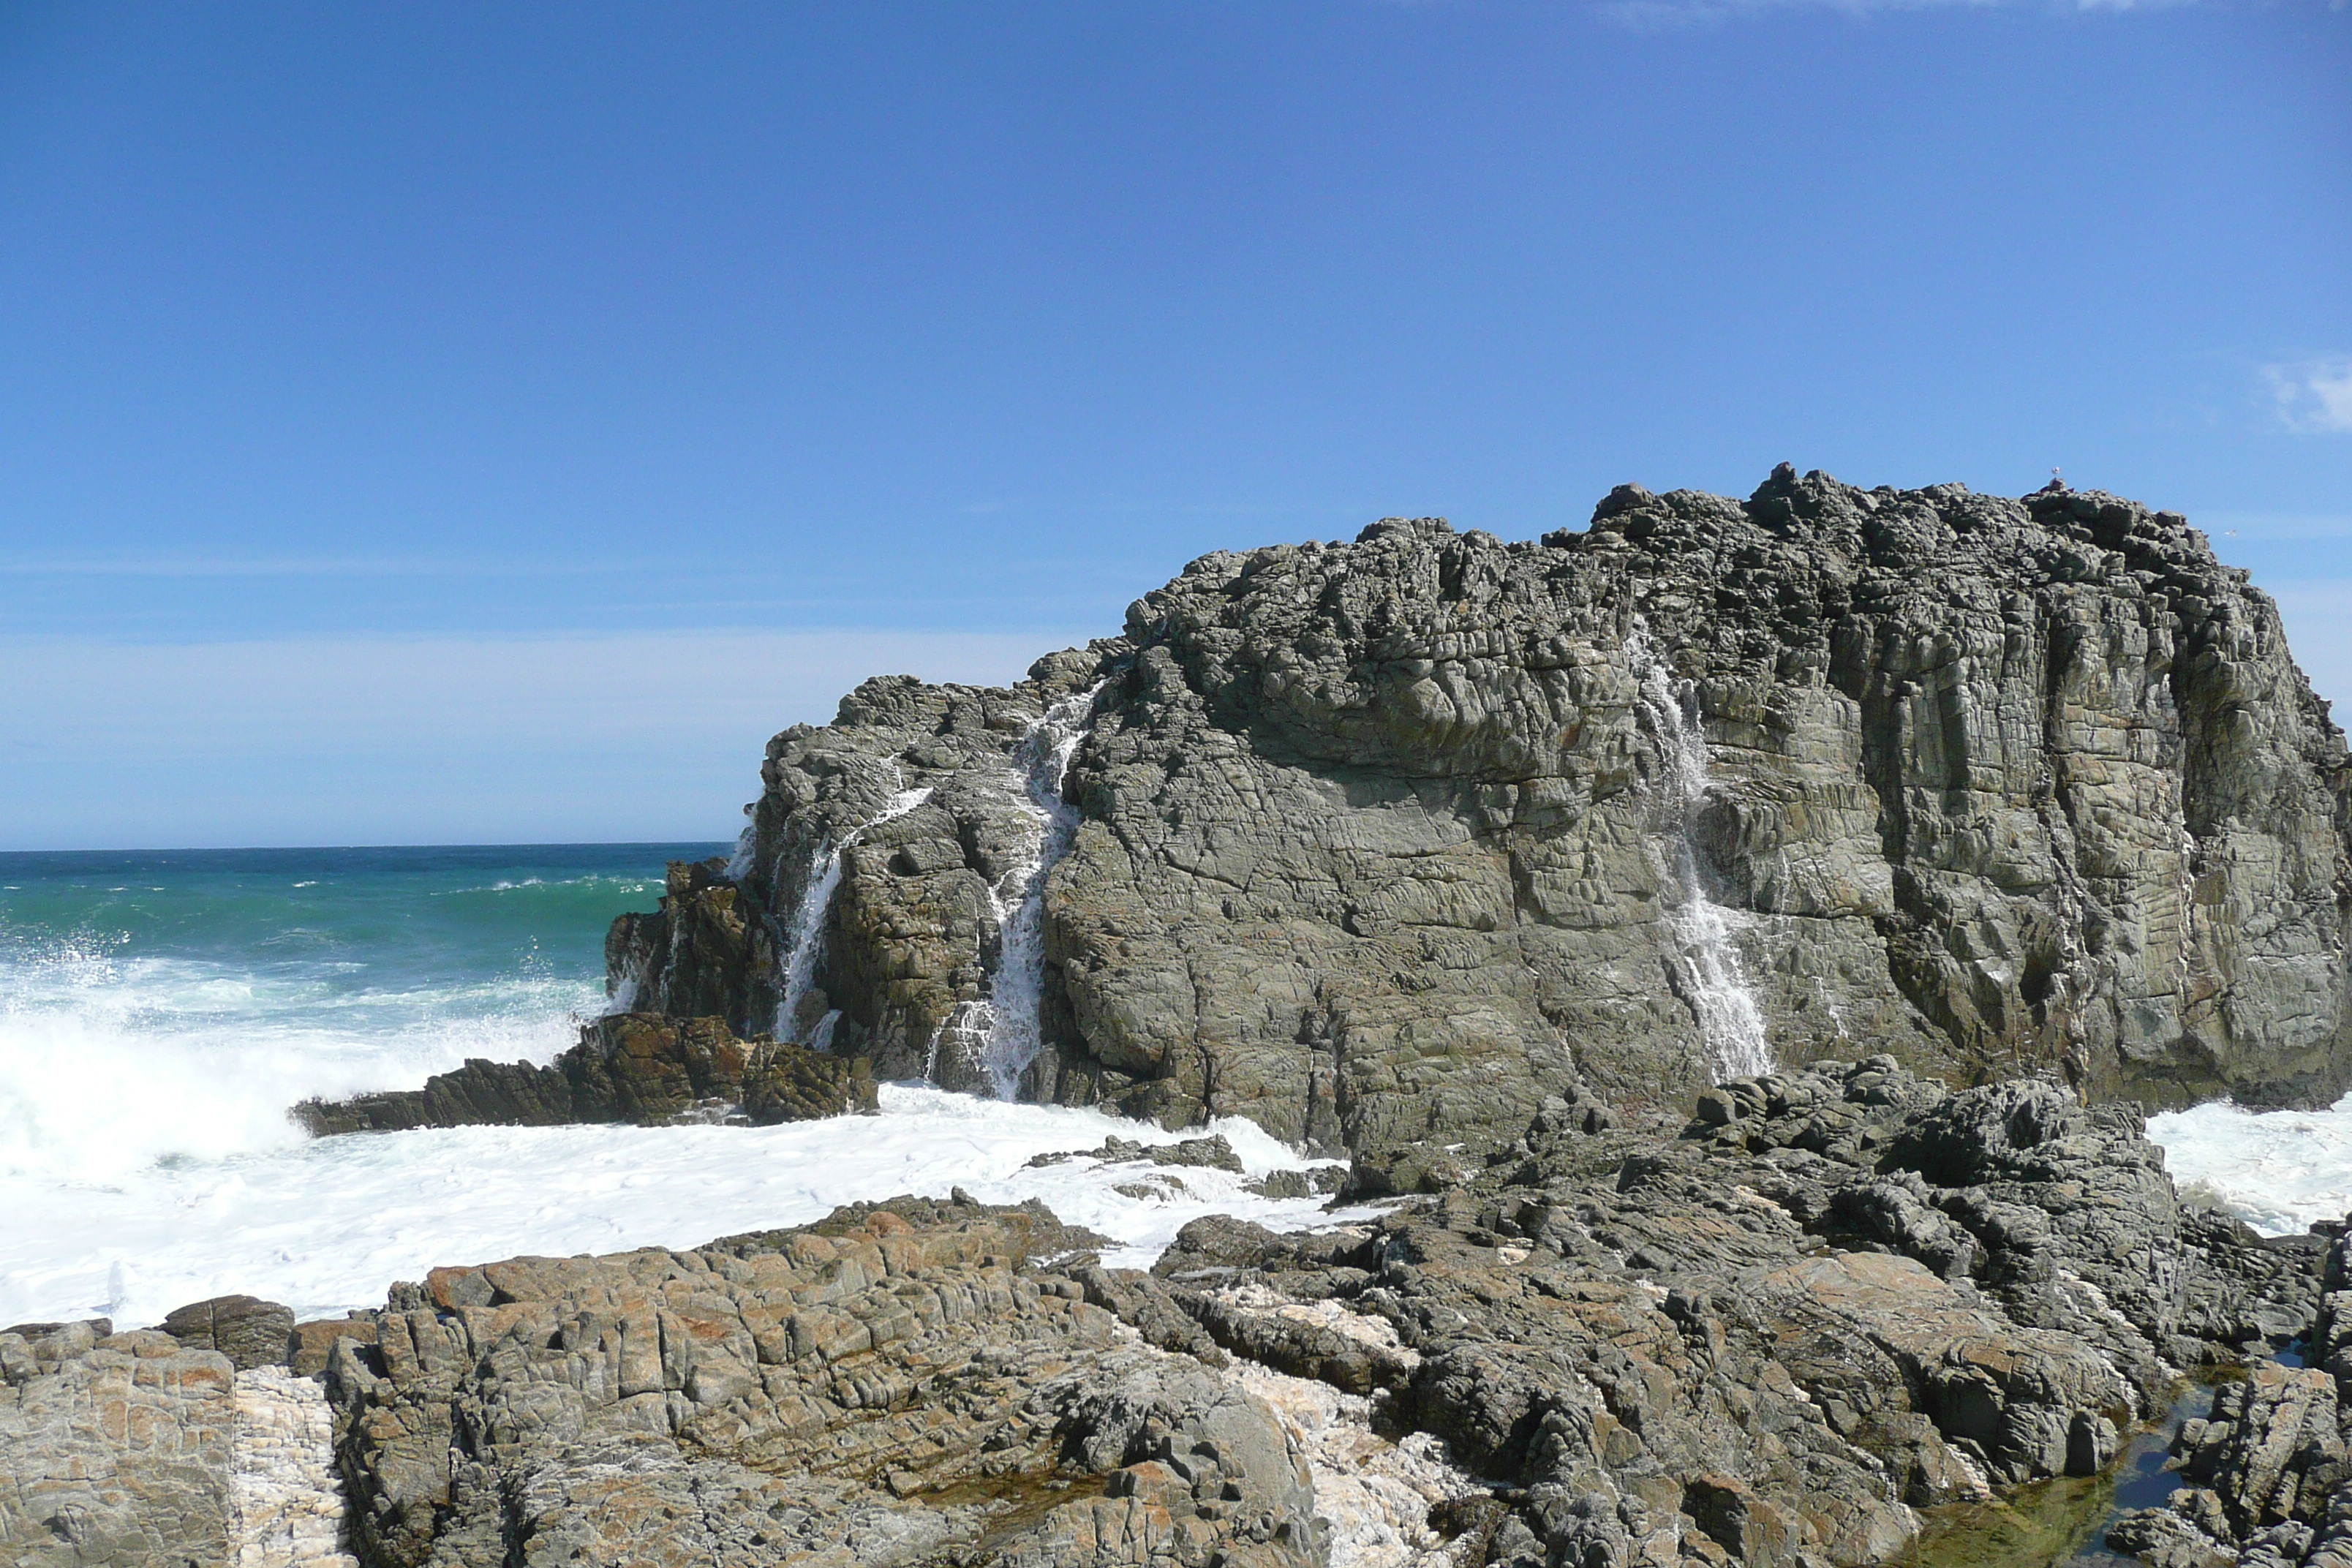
{"type": "Point", "coordinates": [1382, 841]}
{"type": "Point", "coordinates": [869, 1391]}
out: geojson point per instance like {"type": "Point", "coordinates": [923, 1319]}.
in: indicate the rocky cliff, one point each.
{"type": "Point", "coordinates": [1380, 843]}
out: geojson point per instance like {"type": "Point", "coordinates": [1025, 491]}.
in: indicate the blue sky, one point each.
{"type": "Point", "coordinates": [483, 422]}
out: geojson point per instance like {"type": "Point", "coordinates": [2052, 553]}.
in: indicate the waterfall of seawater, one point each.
{"type": "Point", "coordinates": [805, 939]}
{"type": "Point", "coordinates": [1003, 1035]}
{"type": "Point", "coordinates": [1714, 982]}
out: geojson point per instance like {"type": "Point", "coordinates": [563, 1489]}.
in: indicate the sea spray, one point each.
{"type": "Point", "coordinates": [2279, 1171]}
{"type": "Point", "coordinates": [174, 1006]}
{"type": "Point", "coordinates": [805, 938]}
{"type": "Point", "coordinates": [328, 1224]}
{"type": "Point", "coordinates": [1709, 970]}
{"type": "Point", "coordinates": [738, 864]}
{"type": "Point", "coordinates": [1002, 1036]}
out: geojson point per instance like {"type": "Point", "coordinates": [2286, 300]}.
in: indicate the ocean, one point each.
{"type": "Point", "coordinates": [160, 1011]}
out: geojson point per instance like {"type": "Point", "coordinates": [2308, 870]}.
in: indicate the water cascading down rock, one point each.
{"type": "Point", "coordinates": [1709, 973]}
{"type": "Point", "coordinates": [1381, 843]}
{"type": "Point", "coordinates": [993, 1044]}
{"type": "Point", "coordinates": [804, 940]}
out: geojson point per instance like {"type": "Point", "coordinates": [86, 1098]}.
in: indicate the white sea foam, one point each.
{"type": "Point", "coordinates": [327, 1225]}
{"type": "Point", "coordinates": [2276, 1170]}
{"type": "Point", "coordinates": [109, 1064]}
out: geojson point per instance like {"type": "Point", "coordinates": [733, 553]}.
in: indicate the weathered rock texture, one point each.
{"type": "Point", "coordinates": [1771, 1337]}
{"type": "Point", "coordinates": [872, 1390]}
{"type": "Point", "coordinates": [1379, 838]}
{"type": "Point", "coordinates": [2267, 1479]}
{"type": "Point", "coordinates": [286, 1503]}
{"type": "Point", "coordinates": [115, 1449]}
{"type": "Point", "coordinates": [639, 1068]}
{"type": "Point", "coordinates": [1837, 1297]}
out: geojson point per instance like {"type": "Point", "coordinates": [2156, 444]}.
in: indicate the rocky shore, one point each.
{"type": "Point", "coordinates": [1733, 949]}
{"type": "Point", "coordinates": [638, 1067]}
{"type": "Point", "coordinates": [1785, 1333]}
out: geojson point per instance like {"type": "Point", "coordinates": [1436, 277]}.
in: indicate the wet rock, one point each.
{"type": "Point", "coordinates": [640, 1068]}
{"type": "Point", "coordinates": [1212, 1153]}
{"type": "Point", "coordinates": [791, 1084]}
{"type": "Point", "coordinates": [1313, 1181]}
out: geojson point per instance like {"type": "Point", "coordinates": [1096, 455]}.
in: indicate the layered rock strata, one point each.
{"type": "Point", "coordinates": [1777, 1335]}
{"type": "Point", "coordinates": [878, 1389]}
{"type": "Point", "coordinates": [637, 1068]}
{"type": "Point", "coordinates": [1381, 842]}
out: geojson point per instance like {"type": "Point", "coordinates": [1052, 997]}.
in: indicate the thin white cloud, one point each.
{"type": "Point", "coordinates": [2314, 396]}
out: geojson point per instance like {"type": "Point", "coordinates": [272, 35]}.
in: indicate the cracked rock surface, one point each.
{"type": "Point", "coordinates": [1772, 1335]}
{"type": "Point", "coordinates": [898, 1384]}
{"type": "Point", "coordinates": [1378, 837]}
{"type": "Point", "coordinates": [115, 1449]}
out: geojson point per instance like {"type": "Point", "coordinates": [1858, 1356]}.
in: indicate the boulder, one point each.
{"type": "Point", "coordinates": [250, 1332]}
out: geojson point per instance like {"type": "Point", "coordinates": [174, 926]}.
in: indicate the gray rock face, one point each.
{"type": "Point", "coordinates": [872, 1390]}
{"type": "Point", "coordinates": [1384, 841]}
{"type": "Point", "coordinates": [115, 1449]}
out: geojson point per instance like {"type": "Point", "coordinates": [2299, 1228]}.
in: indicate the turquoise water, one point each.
{"type": "Point", "coordinates": [173, 1004]}
{"type": "Point", "coordinates": [160, 1011]}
